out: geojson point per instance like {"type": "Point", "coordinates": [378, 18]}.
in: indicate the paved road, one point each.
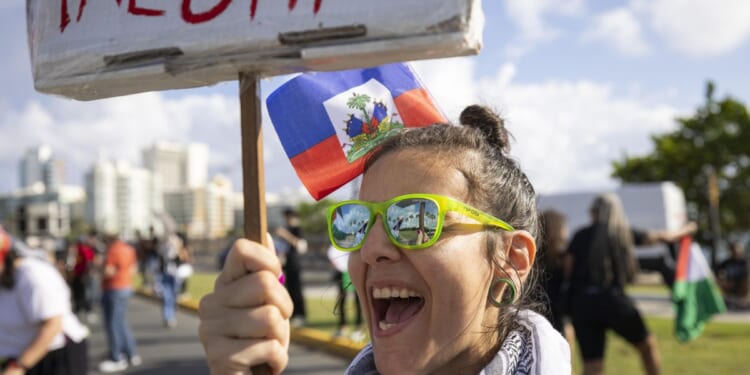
{"type": "Point", "coordinates": [178, 351]}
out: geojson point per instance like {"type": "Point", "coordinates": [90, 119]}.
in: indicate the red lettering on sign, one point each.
{"type": "Point", "coordinates": [186, 11]}
{"type": "Point", "coordinates": [138, 11]}
{"type": "Point", "coordinates": [190, 17]}
{"type": "Point", "coordinates": [253, 8]}
{"type": "Point", "coordinates": [64, 16]}
{"type": "Point", "coordinates": [81, 5]}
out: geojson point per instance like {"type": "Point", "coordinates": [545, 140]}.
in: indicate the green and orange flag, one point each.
{"type": "Point", "coordinates": [695, 294]}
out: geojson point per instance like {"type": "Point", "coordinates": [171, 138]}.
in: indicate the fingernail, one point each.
{"type": "Point", "coordinates": [282, 279]}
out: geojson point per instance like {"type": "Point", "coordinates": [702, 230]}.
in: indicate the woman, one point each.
{"type": "Point", "coordinates": [38, 332]}
{"type": "Point", "coordinates": [602, 262]}
{"type": "Point", "coordinates": [551, 255]}
{"type": "Point", "coordinates": [453, 301]}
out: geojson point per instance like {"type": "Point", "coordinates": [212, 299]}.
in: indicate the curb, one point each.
{"type": "Point", "coordinates": [313, 338]}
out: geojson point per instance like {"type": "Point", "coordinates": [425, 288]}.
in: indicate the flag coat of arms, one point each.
{"type": "Point", "coordinates": [695, 294]}
{"type": "Point", "coordinates": [328, 121]}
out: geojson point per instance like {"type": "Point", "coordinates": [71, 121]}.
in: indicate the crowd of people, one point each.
{"type": "Point", "coordinates": [49, 296]}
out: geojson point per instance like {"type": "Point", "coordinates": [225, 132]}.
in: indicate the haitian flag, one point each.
{"type": "Point", "coordinates": [695, 294]}
{"type": "Point", "coordinates": [328, 121]}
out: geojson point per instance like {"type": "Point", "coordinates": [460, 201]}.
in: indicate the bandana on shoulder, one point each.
{"type": "Point", "coordinates": [533, 348]}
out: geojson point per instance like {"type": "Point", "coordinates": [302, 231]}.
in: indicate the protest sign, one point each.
{"type": "Point", "coordinates": [95, 49]}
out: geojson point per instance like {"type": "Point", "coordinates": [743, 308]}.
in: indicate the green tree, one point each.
{"type": "Point", "coordinates": [716, 136]}
{"type": "Point", "coordinates": [313, 217]}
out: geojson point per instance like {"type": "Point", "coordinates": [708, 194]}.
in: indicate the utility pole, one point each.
{"type": "Point", "coordinates": [713, 213]}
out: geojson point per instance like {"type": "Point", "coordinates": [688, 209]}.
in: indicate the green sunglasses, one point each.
{"type": "Point", "coordinates": [412, 221]}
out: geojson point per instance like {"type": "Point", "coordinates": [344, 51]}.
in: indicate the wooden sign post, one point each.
{"type": "Point", "coordinates": [100, 49]}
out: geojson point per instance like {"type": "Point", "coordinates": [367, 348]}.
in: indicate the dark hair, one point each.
{"type": "Point", "coordinates": [479, 149]}
{"type": "Point", "coordinates": [553, 242]}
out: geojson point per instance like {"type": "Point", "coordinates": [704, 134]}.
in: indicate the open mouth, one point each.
{"type": "Point", "coordinates": [394, 306]}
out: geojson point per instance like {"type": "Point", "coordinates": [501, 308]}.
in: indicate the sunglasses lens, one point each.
{"type": "Point", "coordinates": [349, 225]}
{"type": "Point", "coordinates": [413, 221]}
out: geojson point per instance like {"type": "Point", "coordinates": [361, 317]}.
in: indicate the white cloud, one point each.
{"type": "Point", "coordinates": [529, 16]}
{"type": "Point", "coordinates": [699, 27]}
{"type": "Point", "coordinates": [567, 132]}
{"type": "Point", "coordinates": [119, 128]}
{"type": "Point", "coordinates": [620, 28]}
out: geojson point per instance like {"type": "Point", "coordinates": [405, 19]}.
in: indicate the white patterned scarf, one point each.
{"type": "Point", "coordinates": [534, 348]}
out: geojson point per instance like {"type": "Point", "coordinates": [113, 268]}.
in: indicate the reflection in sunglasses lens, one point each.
{"type": "Point", "coordinates": [412, 221]}
{"type": "Point", "coordinates": [349, 225]}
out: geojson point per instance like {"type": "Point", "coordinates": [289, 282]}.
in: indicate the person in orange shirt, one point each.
{"type": "Point", "coordinates": [117, 286]}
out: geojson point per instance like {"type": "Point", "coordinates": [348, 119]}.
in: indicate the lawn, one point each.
{"type": "Point", "coordinates": [720, 350]}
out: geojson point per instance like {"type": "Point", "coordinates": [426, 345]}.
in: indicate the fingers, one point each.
{"type": "Point", "coordinates": [264, 322]}
{"type": "Point", "coordinates": [254, 289]}
{"type": "Point", "coordinates": [247, 257]}
{"type": "Point", "coordinates": [233, 357]}
{"type": "Point", "coordinates": [244, 322]}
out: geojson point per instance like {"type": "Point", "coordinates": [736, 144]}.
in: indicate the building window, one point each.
{"type": "Point", "coordinates": [41, 224]}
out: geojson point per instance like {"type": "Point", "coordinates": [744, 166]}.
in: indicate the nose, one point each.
{"type": "Point", "coordinates": [378, 248]}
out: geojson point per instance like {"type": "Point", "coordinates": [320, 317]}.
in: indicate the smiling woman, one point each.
{"type": "Point", "coordinates": [442, 243]}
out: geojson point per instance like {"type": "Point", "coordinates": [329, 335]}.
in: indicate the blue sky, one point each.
{"type": "Point", "coordinates": [580, 82]}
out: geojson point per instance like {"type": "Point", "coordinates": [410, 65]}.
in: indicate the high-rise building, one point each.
{"type": "Point", "coordinates": [39, 166]}
{"type": "Point", "coordinates": [203, 212]}
{"type": "Point", "coordinates": [122, 198]}
{"type": "Point", "coordinates": [180, 166]}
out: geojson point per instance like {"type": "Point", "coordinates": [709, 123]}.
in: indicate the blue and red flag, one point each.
{"type": "Point", "coordinates": [328, 121]}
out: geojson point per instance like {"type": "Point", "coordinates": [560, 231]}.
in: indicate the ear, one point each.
{"type": "Point", "coordinates": [520, 256]}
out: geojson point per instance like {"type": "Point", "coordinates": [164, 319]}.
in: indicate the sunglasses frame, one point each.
{"type": "Point", "coordinates": [443, 203]}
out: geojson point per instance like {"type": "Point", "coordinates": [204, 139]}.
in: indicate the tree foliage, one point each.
{"type": "Point", "coordinates": [716, 136]}
{"type": "Point", "coordinates": [313, 217]}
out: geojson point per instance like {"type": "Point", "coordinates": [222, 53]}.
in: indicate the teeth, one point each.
{"type": "Point", "coordinates": [384, 293]}
{"type": "Point", "coordinates": [384, 326]}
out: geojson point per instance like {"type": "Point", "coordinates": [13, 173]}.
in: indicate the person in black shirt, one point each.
{"type": "Point", "coordinates": [291, 234]}
{"type": "Point", "coordinates": [600, 263]}
{"type": "Point", "coordinates": [732, 277]}
{"type": "Point", "coordinates": [551, 254]}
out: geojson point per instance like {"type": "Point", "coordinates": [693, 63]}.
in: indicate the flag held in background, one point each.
{"type": "Point", "coordinates": [695, 294]}
{"type": "Point", "coordinates": [328, 121]}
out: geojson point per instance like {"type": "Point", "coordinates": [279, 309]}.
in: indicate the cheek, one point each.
{"type": "Point", "coordinates": [356, 271]}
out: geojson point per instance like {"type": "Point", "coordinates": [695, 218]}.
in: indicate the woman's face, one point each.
{"type": "Point", "coordinates": [442, 327]}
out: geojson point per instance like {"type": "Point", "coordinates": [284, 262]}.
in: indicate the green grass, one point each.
{"type": "Point", "coordinates": [721, 349]}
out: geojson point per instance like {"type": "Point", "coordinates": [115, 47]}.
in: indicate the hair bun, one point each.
{"type": "Point", "coordinates": [489, 123]}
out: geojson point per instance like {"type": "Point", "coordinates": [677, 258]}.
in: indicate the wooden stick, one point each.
{"type": "Point", "coordinates": [253, 179]}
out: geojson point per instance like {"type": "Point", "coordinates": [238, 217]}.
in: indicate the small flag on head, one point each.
{"type": "Point", "coordinates": [328, 121]}
{"type": "Point", "coordinates": [695, 294]}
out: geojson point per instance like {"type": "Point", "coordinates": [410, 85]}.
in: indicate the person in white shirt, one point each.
{"type": "Point", "coordinates": [38, 332]}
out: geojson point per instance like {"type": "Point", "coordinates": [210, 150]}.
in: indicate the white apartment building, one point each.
{"type": "Point", "coordinates": [203, 212]}
{"type": "Point", "coordinates": [39, 167]}
{"type": "Point", "coordinates": [122, 198]}
{"type": "Point", "coordinates": [180, 166]}
{"type": "Point", "coordinates": [34, 211]}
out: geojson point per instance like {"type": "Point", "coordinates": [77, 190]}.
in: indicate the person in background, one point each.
{"type": "Point", "coordinates": [601, 263]}
{"type": "Point", "coordinates": [117, 286]}
{"type": "Point", "coordinates": [551, 256]}
{"type": "Point", "coordinates": [732, 277]}
{"type": "Point", "coordinates": [458, 303]}
{"type": "Point", "coordinates": [341, 277]}
{"type": "Point", "coordinates": [291, 235]}
{"type": "Point", "coordinates": [39, 334]}
{"type": "Point", "coordinates": [81, 275]}
{"type": "Point", "coordinates": [170, 259]}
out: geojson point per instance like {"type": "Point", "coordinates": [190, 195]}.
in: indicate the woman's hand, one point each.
{"type": "Point", "coordinates": [245, 321]}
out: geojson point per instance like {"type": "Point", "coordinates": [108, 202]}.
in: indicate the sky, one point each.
{"type": "Point", "coordinates": [580, 84]}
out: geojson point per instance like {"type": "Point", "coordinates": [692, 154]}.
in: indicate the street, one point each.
{"type": "Point", "coordinates": [179, 351]}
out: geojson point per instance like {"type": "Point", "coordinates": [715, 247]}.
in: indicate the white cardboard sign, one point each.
{"type": "Point", "coordinates": [101, 48]}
